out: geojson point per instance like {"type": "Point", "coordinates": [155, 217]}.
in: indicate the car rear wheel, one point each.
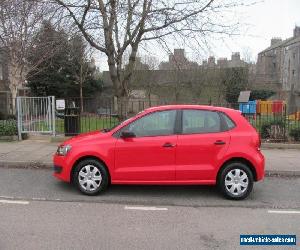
{"type": "Point", "coordinates": [236, 181]}
{"type": "Point", "coordinates": [90, 177]}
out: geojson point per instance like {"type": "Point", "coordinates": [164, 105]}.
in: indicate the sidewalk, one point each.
{"type": "Point", "coordinates": [38, 154]}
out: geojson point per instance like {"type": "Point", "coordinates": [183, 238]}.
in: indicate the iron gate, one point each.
{"type": "Point", "coordinates": [36, 115]}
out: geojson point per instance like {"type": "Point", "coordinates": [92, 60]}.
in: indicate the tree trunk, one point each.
{"type": "Point", "coordinates": [16, 78]}
{"type": "Point", "coordinates": [80, 89]}
{"type": "Point", "coordinates": [14, 92]}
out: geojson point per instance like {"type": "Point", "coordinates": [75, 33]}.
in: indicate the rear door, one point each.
{"type": "Point", "coordinates": [201, 145]}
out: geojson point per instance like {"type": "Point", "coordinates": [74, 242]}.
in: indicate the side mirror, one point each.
{"type": "Point", "coordinates": [127, 134]}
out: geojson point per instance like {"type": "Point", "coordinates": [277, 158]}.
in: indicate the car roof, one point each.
{"type": "Point", "coordinates": [190, 106]}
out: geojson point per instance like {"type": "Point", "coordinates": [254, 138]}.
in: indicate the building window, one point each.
{"type": "Point", "coordinates": [293, 72]}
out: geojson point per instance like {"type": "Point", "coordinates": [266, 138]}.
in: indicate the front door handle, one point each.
{"type": "Point", "coordinates": [168, 145]}
{"type": "Point", "coordinates": [219, 142]}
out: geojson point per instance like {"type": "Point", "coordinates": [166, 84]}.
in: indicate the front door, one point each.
{"type": "Point", "coordinates": [150, 155]}
{"type": "Point", "coordinates": [201, 145]}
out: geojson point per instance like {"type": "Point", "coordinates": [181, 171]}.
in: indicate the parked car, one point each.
{"type": "Point", "coordinates": [167, 145]}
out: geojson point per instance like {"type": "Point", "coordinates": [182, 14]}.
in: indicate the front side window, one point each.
{"type": "Point", "coordinates": [200, 121]}
{"type": "Point", "coordinates": [154, 124]}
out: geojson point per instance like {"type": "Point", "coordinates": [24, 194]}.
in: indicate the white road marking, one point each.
{"type": "Point", "coordinates": [146, 208]}
{"type": "Point", "coordinates": [283, 212]}
{"type": "Point", "coordinates": [7, 197]}
{"type": "Point", "coordinates": [39, 199]}
{"type": "Point", "coordinates": [14, 202]}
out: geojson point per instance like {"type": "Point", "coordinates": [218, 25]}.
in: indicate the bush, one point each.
{"type": "Point", "coordinates": [266, 128]}
{"type": "Point", "coordinates": [263, 94]}
{"type": "Point", "coordinates": [295, 133]}
{"type": "Point", "coordinates": [8, 127]}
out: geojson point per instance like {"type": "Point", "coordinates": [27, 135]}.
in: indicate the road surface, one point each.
{"type": "Point", "coordinates": [40, 212]}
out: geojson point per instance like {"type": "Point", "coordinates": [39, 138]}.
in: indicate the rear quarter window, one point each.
{"type": "Point", "coordinates": [229, 123]}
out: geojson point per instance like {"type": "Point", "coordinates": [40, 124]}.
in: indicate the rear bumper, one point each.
{"type": "Point", "coordinates": [260, 166]}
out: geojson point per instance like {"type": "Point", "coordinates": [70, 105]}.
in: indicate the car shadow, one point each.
{"type": "Point", "coordinates": [162, 190]}
{"type": "Point", "coordinates": [142, 191]}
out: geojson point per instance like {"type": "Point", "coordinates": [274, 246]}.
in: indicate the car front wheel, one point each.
{"type": "Point", "coordinates": [236, 181]}
{"type": "Point", "coordinates": [90, 177]}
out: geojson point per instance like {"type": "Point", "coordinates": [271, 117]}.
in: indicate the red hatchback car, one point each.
{"type": "Point", "coordinates": [167, 145]}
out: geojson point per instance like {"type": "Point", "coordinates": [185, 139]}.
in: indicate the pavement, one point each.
{"type": "Point", "coordinates": [283, 161]}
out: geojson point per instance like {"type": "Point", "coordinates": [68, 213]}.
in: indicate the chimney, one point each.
{"type": "Point", "coordinates": [297, 31]}
{"type": "Point", "coordinates": [179, 53]}
{"type": "Point", "coordinates": [275, 40]}
{"type": "Point", "coordinates": [236, 56]}
{"type": "Point", "coordinates": [211, 60]}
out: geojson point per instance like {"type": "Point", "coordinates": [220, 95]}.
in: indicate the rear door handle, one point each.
{"type": "Point", "coordinates": [219, 142]}
{"type": "Point", "coordinates": [168, 145]}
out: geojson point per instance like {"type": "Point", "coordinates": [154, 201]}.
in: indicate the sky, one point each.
{"type": "Point", "coordinates": [260, 22]}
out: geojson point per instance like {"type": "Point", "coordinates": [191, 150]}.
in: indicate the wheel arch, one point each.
{"type": "Point", "coordinates": [86, 157]}
{"type": "Point", "coordinates": [240, 160]}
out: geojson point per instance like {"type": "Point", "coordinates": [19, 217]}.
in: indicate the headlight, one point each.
{"type": "Point", "coordinates": [63, 150]}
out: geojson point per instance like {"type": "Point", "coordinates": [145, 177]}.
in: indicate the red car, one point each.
{"type": "Point", "coordinates": [167, 145]}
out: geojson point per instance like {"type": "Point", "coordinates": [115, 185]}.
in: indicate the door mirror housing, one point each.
{"type": "Point", "coordinates": [127, 134]}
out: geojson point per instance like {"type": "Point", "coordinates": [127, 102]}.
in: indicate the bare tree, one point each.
{"type": "Point", "coordinates": [19, 22]}
{"type": "Point", "coordinates": [82, 59]}
{"type": "Point", "coordinates": [115, 27]}
{"type": "Point", "coordinates": [247, 55]}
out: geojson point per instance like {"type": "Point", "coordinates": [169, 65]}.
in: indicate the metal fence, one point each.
{"type": "Point", "coordinates": [273, 123]}
{"type": "Point", "coordinates": [271, 120]}
{"type": "Point", "coordinates": [36, 115]}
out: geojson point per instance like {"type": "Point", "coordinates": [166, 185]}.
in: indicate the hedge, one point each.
{"type": "Point", "coordinates": [8, 127]}
{"type": "Point", "coordinates": [295, 133]}
{"type": "Point", "coordinates": [266, 127]}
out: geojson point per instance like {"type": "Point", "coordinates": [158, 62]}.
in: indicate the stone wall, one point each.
{"type": "Point", "coordinates": [195, 85]}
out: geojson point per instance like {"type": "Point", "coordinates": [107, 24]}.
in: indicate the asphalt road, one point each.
{"type": "Point", "coordinates": [40, 212]}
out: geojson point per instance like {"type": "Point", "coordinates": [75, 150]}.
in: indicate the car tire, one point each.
{"type": "Point", "coordinates": [236, 181]}
{"type": "Point", "coordinates": [90, 177]}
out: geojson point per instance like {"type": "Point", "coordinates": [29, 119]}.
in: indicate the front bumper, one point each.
{"type": "Point", "coordinates": [61, 168]}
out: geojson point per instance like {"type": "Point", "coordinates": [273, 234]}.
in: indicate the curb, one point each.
{"type": "Point", "coordinates": [26, 165]}
{"type": "Point", "coordinates": [280, 146]}
{"type": "Point", "coordinates": [282, 173]}
{"type": "Point", "coordinates": [48, 165]}
{"type": "Point", "coordinates": [59, 139]}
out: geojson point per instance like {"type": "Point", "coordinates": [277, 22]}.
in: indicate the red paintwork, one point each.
{"type": "Point", "coordinates": [194, 160]}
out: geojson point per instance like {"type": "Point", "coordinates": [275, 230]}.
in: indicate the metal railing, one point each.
{"type": "Point", "coordinates": [274, 123]}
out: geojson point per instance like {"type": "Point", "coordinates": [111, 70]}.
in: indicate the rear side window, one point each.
{"type": "Point", "coordinates": [200, 121]}
{"type": "Point", "coordinates": [228, 122]}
